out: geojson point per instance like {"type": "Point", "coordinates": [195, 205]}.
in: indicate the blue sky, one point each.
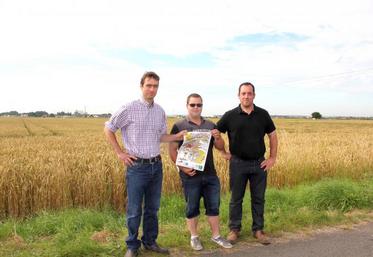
{"type": "Point", "coordinates": [302, 56]}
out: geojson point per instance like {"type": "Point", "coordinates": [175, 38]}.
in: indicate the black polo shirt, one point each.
{"type": "Point", "coordinates": [246, 131]}
{"type": "Point", "coordinates": [206, 125]}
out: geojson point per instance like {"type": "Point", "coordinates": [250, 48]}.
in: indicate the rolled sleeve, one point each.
{"type": "Point", "coordinates": [110, 126]}
{"type": "Point", "coordinates": [118, 120]}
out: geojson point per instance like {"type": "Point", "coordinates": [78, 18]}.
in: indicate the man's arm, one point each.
{"type": "Point", "coordinates": [273, 142]}
{"type": "Point", "coordinates": [219, 144]}
{"type": "Point", "coordinates": [221, 125]}
{"type": "Point", "coordinates": [172, 151]}
{"type": "Point", "coordinates": [174, 137]}
{"type": "Point", "coordinates": [123, 156]}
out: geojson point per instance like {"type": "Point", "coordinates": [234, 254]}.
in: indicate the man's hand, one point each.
{"type": "Point", "coordinates": [216, 134]}
{"type": "Point", "coordinates": [127, 158]}
{"type": "Point", "coordinates": [188, 171]}
{"type": "Point", "coordinates": [180, 136]}
{"type": "Point", "coordinates": [267, 164]}
{"type": "Point", "coordinates": [226, 155]}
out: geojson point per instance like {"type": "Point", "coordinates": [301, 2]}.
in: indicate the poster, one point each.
{"type": "Point", "coordinates": [193, 152]}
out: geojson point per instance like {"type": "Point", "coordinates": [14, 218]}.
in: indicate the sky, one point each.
{"type": "Point", "coordinates": [302, 56]}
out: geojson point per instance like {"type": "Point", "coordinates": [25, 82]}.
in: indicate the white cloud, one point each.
{"type": "Point", "coordinates": [61, 45]}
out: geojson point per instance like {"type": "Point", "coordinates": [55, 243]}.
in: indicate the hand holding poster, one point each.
{"type": "Point", "coordinates": [193, 152]}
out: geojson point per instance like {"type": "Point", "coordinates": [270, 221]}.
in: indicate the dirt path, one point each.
{"type": "Point", "coordinates": [356, 241]}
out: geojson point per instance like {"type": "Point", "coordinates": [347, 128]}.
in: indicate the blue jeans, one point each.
{"type": "Point", "coordinates": [144, 183]}
{"type": "Point", "coordinates": [195, 187]}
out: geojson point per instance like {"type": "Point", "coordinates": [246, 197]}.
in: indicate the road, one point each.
{"type": "Point", "coordinates": [354, 242]}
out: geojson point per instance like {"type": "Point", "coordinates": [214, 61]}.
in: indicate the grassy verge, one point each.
{"type": "Point", "coordinates": [83, 232]}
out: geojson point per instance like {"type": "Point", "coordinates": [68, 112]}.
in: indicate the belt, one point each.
{"type": "Point", "coordinates": [247, 160]}
{"type": "Point", "coordinates": [148, 161]}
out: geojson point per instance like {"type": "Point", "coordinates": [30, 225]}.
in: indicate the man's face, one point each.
{"type": "Point", "coordinates": [246, 96]}
{"type": "Point", "coordinates": [149, 88]}
{"type": "Point", "coordinates": [194, 107]}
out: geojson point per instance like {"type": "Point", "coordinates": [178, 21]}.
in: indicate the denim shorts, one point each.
{"type": "Point", "coordinates": [205, 186]}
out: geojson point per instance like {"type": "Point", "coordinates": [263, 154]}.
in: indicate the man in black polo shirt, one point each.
{"type": "Point", "coordinates": [197, 184]}
{"type": "Point", "coordinates": [247, 125]}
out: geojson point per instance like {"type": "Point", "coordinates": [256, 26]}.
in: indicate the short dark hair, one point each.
{"type": "Point", "coordinates": [149, 74]}
{"type": "Point", "coordinates": [246, 84]}
{"type": "Point", "coordinates": [194, 95]}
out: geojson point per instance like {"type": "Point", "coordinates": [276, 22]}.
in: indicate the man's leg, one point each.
{"type": "Point", "coordinates": [258, 184]}
{"type": "Point", "coordinates": [211, 199]}
{"type": "Point", "coordinates": [195, 242]}
{"type": "Point", "coordinates": [152, 202]}
{"type": "Point", "coordinates": [214, 225]}
{"type": "Point", "coordinates": [135, 186]}
{"type": "Point", "coordinates": [192, 193]}
{"type": "Point", "coordinates": [238, 176]}
{"type": "Point", "coordinates": [151, 207]}
{"type": "Point", "coordinates": [192, 226]}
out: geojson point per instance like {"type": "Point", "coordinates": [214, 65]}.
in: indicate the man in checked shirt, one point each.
{"type": "Point", "coordinates": [143, 126]}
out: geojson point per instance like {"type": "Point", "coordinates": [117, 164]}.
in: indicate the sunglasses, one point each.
{"type": "Point", "coordinates": [194, 105]}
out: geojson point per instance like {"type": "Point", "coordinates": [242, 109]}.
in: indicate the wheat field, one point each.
{"type": "Point", "coordinates": [54, 163]}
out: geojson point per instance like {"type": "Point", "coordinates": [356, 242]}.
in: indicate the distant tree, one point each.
{"type": "Point", "coordinates": [316, 115]}
{"type": "Point", "coordinates": [63, 113]}
{"type": "Point", "coordinates": [37, 114]}
{"type": "Point", "coordinates": [11, 113]}
{"type": "Point", "coordinates": [104, 115]}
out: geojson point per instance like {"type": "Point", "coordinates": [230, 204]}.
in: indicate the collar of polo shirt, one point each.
{"type": "Point", "coordinates": [241, 111]}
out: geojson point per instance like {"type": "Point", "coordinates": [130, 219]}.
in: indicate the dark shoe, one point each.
{"type": "Point", "coordinates": [233, 236]}
{"type": "Point", "coordinates": [131, 253]}
{"type": "Point", "coordinates": [262, 237]}
{"type": "Point", "coordinates": [156, 248]}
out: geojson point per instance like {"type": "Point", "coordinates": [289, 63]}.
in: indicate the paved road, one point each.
{"type": "Point", "coordinates": [354, 242]}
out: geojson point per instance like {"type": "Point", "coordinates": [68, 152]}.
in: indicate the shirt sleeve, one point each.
{"type": "Point", "coordinates": [118, 120]}
{"type": "Point", "coordinates": [221, 124]}
{"type": "Point", "coordinates": [213, 127]}
{"type": "Point", "coordinates": [174, 129]}
{"type": "Point", "coordinates": [270, 126]}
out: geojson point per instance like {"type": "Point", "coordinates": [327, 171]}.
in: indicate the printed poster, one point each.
{"type": "Point", "coordinates": [193, 151]}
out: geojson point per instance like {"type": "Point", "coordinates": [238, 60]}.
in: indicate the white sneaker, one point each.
{"type": "Point", "coordinates": [222, 242]}
{"type": "Point", "coordinates": [195, 243]}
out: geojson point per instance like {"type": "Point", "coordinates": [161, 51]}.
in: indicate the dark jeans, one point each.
{"type": "Point", "coordinates": [195, 187]}
{"type": "Point", "coordinates": [241, 171]}
{"type": "Point", "coordinates": [144, 183]}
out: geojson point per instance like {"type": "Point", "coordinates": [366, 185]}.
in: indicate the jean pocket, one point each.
{"type": "Point", "coordinates": [134, 167]}
{"type": "Point", "coordinates": [136, 164]}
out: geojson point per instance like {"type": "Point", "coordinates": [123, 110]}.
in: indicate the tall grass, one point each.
{"type": "Point", "coordinates": [59, 163]}
{"type": "Point", "coordinates": [85, 232]}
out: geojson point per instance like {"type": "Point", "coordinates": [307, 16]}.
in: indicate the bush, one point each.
{"type": "Point", "coordinates": [342, 195]}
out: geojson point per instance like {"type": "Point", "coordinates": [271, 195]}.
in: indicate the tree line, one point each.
{"type": "Point", "coordinates": [58, 114]}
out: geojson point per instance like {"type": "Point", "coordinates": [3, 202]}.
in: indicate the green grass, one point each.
{"type": "Point", "coordinates": [69, 233]}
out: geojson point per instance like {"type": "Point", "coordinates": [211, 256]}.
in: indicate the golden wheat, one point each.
{"type": "Point", "coordinates": [58, 163]}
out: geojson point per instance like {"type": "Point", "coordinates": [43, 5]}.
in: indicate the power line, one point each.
{"type": "Point", "coordinates": [330, 76]}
